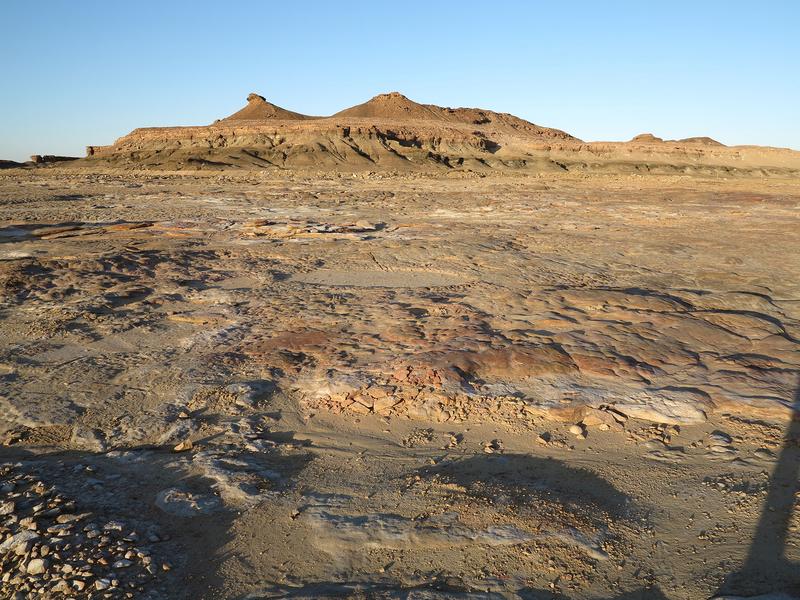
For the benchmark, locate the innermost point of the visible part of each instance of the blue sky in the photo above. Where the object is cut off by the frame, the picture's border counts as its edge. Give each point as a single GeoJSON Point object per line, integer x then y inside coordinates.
{"type": "Point", "coordinates": [87, 72]}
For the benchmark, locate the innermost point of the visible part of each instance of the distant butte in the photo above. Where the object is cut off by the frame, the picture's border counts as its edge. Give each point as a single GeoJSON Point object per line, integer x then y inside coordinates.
{"type": "Point", "coordinates": [258, 109]}
{"type": "Point", "coordinates": [395, 106]}
{"type": "Point", "coordinates": [649, 138]}
{"type": "Point", "coordinates": [392, 133]}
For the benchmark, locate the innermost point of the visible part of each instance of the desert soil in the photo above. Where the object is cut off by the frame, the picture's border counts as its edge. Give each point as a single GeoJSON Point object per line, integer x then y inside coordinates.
{"type": "Point", "coordinates": [244, 386]}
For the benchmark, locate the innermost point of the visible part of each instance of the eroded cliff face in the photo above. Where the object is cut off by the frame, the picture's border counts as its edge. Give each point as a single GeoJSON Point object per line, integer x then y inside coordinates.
{"type": "Point", "coordinates": [393, 133]}
{"type": "Point", "coordinates": [354, 144]}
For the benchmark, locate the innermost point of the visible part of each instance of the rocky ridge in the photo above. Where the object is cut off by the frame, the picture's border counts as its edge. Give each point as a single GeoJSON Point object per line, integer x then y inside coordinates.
{"type": "Point", "coordinates": [391, 133]}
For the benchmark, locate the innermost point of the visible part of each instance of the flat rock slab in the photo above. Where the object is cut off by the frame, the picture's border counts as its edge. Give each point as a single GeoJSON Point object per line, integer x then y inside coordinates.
{"type": "Point", "coordinates": [181, 503]}
{"type": "Point", "coordinates": [382, 279]}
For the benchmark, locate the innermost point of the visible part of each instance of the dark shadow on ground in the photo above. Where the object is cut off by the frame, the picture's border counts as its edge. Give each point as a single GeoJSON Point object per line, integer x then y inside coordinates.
{"type": "Point", "coordinates": [643, 594]}
{"type": "Point", "coordinates": [122, 488]}
{"type": "Point", "coordinates": [766, 568]}
{"type": "Point", "coordinates": [521, 475]}
{"type": "Point", "coordinates": [386, 591]}
{"type": "Point", "coordinates": [124, 485]}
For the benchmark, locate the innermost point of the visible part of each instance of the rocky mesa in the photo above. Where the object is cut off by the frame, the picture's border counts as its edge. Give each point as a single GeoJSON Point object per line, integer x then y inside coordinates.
{"type": "Point", "coordinates": [392, 133]}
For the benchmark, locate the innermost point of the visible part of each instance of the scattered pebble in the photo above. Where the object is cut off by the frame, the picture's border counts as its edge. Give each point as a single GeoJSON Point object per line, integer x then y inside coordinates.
{"type": "Point", "coordinates": [102, 584]}
{"type": "Point", "coordinates": [719, 437]}
{"type": "Point", "coordinates": [122, 564]}
{"type": "Point", "coordinates": [36, 567]}
{"type": "Point", "coordinates": [578, 431]}
{"type": "Point", "coordinates": [50, 549]}
{"type": "Point", "coordinates": [183, 446]}
{"type": "Point", "coordinates": [495, 446]}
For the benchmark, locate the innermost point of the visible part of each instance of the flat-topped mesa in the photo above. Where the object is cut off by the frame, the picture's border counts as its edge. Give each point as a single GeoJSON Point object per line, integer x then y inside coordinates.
{"type": "Point", "coordinates": [393, 133]}
{"type": "Point", "coordinates": [702, 140]}
{"type": "Point", "coordinates": [646, 138]}
{"type": "Point", "coordinates": [649, 138]}
{"type": "Point", "coordinates": [258, 109]}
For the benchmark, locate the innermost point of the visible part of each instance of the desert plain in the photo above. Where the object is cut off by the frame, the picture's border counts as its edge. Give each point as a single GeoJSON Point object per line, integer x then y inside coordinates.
{"type": "Point", "coordinates": [229, 375]}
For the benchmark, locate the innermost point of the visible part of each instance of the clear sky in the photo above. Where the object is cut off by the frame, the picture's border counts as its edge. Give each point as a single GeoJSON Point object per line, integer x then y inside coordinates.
{"type": "Point", "coordinates": [87, 72]}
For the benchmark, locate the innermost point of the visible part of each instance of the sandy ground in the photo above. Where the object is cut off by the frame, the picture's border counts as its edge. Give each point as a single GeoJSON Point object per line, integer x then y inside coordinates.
{"type": "Point", "coordinates": [232, 386]}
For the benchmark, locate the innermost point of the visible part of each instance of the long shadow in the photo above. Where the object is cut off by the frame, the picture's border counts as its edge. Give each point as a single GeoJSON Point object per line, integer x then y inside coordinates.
{"type": "Point", "coordinates": [767, 568]}
{"type": "Point", "coordinates": [123, 486]}
{"type": "Point", "coordinates": [334, 590]}
{"type": "Point", "coordinates": [643, 594]}
{"type": "Point", "coordinates": [116, 489]}
{"type": "Point", "coordinates": [523, 477]}
{"type": "Point", "coordinates": [520, 476]}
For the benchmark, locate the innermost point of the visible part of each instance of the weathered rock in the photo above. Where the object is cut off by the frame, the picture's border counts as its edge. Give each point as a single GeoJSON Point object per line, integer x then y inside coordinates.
{"type": "Point", "coordinates": [183, 446]}
{"type": "Point", "coordinates": [576, 430]}
{"type": "Point", "coordinates": [181, 503]}
{"type": "Point", "coordinates": [593, 418]}
{"type": "Point", "coordinates": [37, 566]}
{"type": "Point", "coordinates": [122, 564]}
{"type": "Point", "coordinates": [20, 538]}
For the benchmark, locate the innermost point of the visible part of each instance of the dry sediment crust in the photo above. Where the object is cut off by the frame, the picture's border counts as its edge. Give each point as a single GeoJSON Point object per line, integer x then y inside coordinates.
{"type": "Point", "coordinates": [570, 340]}
{"type": "Point", "coordinates": [236, 385]}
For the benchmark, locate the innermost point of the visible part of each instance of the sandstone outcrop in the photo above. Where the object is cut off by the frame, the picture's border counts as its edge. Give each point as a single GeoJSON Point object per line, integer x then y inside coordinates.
{"type": "Point", "coordinates": [391, 133]}
{"type": "Point", "coordinates": [258, 109]}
